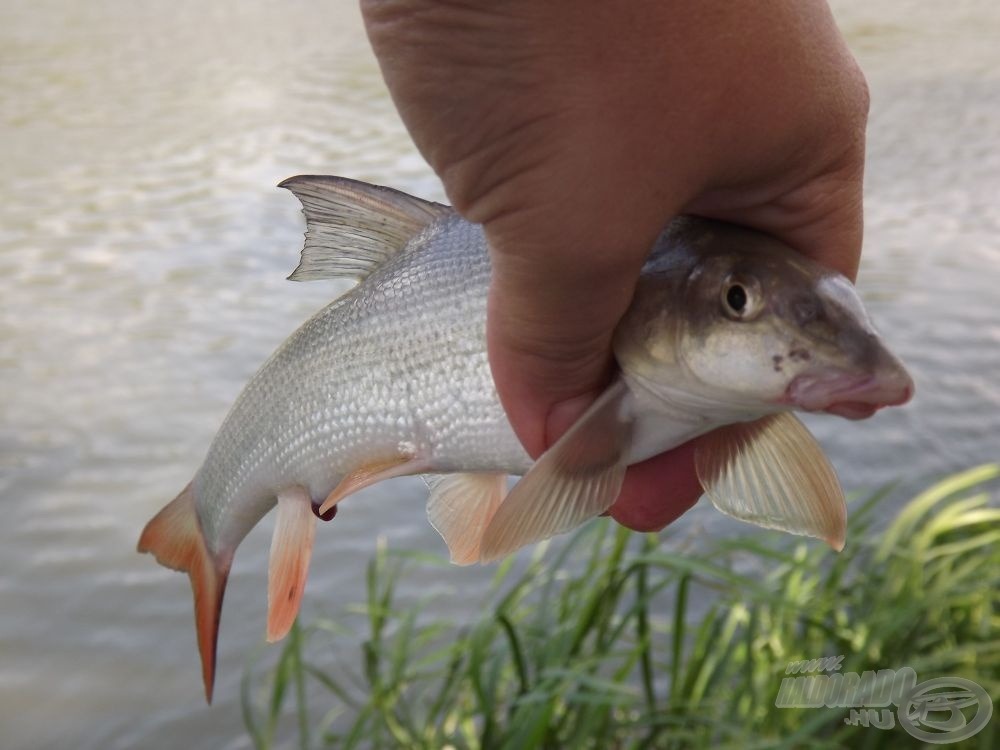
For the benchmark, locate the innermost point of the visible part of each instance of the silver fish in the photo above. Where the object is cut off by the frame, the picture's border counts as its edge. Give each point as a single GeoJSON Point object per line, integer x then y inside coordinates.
{"type": "Point", "coordinates": [728, 327]}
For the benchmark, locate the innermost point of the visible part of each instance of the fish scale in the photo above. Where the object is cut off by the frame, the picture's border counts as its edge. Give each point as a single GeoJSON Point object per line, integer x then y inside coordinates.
{"type": "Point", "coordinates": [393, 378]}
{"type": "Point", "coordinates": [399, 360]}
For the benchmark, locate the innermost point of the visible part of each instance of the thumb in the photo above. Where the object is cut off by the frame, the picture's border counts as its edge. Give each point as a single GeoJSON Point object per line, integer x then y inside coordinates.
{"type": "Point", "coordinates": [550, 322]}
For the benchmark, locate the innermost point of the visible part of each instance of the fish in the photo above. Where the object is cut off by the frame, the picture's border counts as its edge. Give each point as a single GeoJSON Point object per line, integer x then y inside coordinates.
{"type": "Point", "coordinates": [728, 334]}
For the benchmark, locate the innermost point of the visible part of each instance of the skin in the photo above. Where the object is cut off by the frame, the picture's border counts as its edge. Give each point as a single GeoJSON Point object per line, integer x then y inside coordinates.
{"type": "Point", "coordinates": [574, 130]}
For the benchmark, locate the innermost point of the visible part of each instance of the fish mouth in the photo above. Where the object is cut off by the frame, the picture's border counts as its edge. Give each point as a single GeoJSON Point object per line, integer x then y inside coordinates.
{"type": "Point", "coordinates": [850, 395]}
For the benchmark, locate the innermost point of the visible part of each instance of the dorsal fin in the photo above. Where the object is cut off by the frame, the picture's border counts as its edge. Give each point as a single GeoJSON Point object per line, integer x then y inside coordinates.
{"type": "Point", "coordinates": [353, 227]}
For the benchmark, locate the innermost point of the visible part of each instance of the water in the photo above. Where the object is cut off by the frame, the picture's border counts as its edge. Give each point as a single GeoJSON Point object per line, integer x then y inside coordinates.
{"type": "Point", "coordinates": [142, 257]}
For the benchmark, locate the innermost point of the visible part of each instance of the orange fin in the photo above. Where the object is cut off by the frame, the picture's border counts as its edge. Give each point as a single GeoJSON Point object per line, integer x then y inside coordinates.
{"type": "Point", "coordinates": [576, 479]}
{"type": "Point", "coordinates": [773, 473]}
{"type": "Point", "coordinates": [370, 473]}
{"type": "Point", "coordinates": [460, 507]}
{"type": "Point", "coordinates": [291, 549]}
{"type": "Point", "coordinates": [174, 536]}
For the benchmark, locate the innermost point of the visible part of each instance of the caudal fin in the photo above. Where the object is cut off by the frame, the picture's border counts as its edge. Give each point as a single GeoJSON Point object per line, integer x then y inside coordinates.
{"type": "Point", "coordinates": [174, 536]}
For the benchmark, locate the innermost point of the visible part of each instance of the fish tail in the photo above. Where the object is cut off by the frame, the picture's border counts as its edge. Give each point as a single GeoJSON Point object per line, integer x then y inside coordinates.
{"type": "Point", "coordinates": [175, 537]}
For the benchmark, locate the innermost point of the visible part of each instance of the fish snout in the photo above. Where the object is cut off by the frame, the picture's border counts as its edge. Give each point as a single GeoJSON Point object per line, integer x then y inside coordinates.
{"type": "Point", "coordinates": [854, 395]}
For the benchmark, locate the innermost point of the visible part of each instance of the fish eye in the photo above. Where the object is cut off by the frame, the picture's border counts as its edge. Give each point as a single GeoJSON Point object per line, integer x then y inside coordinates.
{"type": "Point", "coordinates": [740, 298]}
{"type": "Point", "coordinates": [736, 298]}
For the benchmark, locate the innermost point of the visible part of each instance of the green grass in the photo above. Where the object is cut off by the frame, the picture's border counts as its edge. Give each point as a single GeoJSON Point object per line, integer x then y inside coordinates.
{"type": "Point", "coordinates": [618, 640]}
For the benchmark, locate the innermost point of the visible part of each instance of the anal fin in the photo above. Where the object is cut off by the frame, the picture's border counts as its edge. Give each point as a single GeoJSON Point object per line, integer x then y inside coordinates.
{"type": "Point", "coordinates": [175, 537]}
{"type": "Point", "coordinates": [288, 566]}
{"type": "Point", "coordinates": [773, 473]}
{"type": "Point", "coordinates": [460, 507]}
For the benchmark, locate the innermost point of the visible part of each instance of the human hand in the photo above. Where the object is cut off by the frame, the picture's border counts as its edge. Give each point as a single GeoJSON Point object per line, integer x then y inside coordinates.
{"type": "Point", "coordinates": [574, 130]}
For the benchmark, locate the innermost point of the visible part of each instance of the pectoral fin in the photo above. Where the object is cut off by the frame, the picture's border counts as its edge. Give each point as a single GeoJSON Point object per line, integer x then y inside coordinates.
{"type": "Point", "coordinates": [576, 479]}
{"type": "Point", "coordinates": [773, 473]}
{"type": "Point", "coordinates": [460, 507]}
{"type": "Point", "coordinates": [291, 550]}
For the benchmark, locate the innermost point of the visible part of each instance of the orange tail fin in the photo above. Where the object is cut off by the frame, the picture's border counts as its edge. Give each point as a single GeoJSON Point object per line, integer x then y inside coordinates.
{"type": "Point", "coordinates": [174, 536]}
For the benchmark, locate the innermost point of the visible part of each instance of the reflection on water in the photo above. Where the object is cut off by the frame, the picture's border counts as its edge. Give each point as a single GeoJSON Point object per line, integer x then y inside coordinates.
{"type": "Point", "coordinates": [143, 251]}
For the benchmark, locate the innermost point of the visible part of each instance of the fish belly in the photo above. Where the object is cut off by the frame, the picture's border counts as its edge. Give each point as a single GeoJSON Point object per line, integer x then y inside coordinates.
{"type": "Point", "coordinates": [396, 367]}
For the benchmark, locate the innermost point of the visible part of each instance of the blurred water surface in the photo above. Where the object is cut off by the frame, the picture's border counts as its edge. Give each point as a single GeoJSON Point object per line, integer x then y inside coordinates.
{"type": "Point", "coordinates": [143, 251]}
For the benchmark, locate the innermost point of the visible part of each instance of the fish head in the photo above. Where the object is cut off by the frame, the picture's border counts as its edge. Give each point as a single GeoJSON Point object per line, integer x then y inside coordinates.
{"type": "Point", "coordinates": [739, 319]}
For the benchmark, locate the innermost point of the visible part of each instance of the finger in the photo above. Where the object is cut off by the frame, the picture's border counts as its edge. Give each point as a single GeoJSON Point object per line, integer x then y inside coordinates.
{"type": "Point", "coordinates": [658, 491]}
{"type": "Point", "coordinates": [821, 217]}
{"type": "Point", "coordinates": [824, 219]}
{"type": "Point", "coordinates": [813, 202]}
{"type": "Point", "coordinates": [549, 333]}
